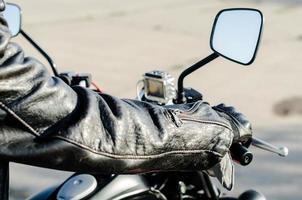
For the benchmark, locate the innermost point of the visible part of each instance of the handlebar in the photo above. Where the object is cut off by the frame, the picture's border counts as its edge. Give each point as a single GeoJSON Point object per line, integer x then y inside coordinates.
{"type": "Point", "coordinates": [281, 151]}
{"type": "Point", "coordinates": [244, 157]}
{"type": "Point", "coordinates": [241, 154]}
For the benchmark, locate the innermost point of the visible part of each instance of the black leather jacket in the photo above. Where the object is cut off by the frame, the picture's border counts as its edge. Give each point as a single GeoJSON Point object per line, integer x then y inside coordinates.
{"type": "Point", "coordinates": [50, 124]}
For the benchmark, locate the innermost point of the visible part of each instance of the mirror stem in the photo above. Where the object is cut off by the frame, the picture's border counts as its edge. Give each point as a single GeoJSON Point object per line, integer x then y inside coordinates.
{"type": "Point", "coordinates": [45, 55]}
{"type": "Point", "coordinates": [180, 93]}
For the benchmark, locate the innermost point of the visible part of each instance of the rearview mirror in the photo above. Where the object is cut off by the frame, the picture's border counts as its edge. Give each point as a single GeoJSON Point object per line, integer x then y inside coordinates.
{"type": "Point", "coordinates": [236, 34]}
{"type": "Point", "coordinates": [12, 14]}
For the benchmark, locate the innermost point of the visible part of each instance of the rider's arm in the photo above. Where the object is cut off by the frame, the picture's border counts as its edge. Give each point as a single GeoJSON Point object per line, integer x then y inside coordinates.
{"type": "Point", "coordinates": [80, 130]}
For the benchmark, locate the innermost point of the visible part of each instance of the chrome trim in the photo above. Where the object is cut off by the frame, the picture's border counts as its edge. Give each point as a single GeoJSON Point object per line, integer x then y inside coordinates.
{"type": "Point", "coordinates": [281, 151]}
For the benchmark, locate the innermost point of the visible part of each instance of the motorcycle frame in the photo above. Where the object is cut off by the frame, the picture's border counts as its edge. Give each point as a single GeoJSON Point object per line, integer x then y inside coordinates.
{"type": "Point", "coordinates": [210, 191]}
{"type": "Point", "coordinates": [4, 180]}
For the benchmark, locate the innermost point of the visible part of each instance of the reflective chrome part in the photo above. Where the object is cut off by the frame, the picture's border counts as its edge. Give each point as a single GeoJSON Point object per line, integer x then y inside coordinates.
{"type": "Point", "coordinates": [236, 34]}
{"type": "Point", "coordinates": [123, 186]}
{"type": "Point", "coordinates": [77, 187]}
{"type": "Point", "coordinates": [281, 151]}
{"type": "Point", "coordinates": [251, 195]}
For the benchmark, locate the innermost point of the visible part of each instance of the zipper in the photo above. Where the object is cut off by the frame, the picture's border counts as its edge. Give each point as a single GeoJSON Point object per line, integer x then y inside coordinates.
{"type": "Point", "coordinates": [183, 115]}
{"type": "Point", "coordinates": [206, 122]}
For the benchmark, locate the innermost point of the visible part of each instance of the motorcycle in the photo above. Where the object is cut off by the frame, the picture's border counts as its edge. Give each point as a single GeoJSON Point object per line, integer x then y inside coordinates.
{"type": "Point", "coordinates": [235, 36]}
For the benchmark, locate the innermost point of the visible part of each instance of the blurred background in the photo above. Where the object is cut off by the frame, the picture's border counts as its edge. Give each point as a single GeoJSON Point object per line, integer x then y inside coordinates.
{"type": "Point", "coordinates": [117, 41]}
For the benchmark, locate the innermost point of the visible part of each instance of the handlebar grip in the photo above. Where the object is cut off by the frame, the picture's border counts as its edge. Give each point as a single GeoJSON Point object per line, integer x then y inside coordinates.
{"type": "Point", "coordinates": [241, 154]}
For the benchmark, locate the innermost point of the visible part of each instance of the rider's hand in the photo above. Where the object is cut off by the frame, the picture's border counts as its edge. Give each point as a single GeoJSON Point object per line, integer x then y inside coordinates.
{"type": "Point", "coordinates": [242, 128]}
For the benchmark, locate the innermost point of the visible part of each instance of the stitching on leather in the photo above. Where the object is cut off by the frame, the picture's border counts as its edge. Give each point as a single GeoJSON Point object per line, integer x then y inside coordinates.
{"type": "Point", "coordinates": [182, 116]}
{"type": "Point", "coordinates": [19, 119]}
{"type": "Point", "coordinates": [207, 122]}
{"type": "Point", "coordinates": [117, 156]}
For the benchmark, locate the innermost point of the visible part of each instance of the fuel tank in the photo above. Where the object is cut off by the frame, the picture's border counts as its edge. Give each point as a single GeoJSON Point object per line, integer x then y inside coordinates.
{"type": "Point", "coordinates": [86, 186]}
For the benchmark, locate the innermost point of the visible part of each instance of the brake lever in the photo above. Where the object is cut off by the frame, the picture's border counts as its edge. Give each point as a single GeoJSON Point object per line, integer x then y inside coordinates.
{"type": "Point", "coordinates": [281, 151]}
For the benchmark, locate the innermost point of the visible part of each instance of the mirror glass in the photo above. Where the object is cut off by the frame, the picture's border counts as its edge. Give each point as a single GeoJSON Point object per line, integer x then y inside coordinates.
{"type": "Point", "coordinates": [236, 34]}
{"type": "Point", "coordinates": [12, 14]}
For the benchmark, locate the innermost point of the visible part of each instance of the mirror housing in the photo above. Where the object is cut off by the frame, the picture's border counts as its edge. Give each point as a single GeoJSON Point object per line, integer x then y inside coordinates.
{"type": "Point", "coordinates": [12, 15]}
{"type": "Point", "coordinates": [236, 34]}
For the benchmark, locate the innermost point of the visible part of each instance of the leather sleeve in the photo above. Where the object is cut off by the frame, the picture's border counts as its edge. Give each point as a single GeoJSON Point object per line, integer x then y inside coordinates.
{"type": "Point", "coordinates": [77, 129]}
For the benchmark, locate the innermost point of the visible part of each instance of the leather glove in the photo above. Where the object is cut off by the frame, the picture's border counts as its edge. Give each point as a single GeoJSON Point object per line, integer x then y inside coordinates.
{"type": "Point", "coordinates": [242, 128]}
